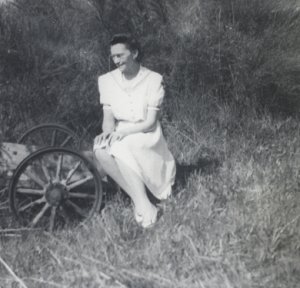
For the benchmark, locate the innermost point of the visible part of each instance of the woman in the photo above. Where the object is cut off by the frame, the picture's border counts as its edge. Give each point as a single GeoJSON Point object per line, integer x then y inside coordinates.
{"type": "Point", "coordinates": [131, 148]}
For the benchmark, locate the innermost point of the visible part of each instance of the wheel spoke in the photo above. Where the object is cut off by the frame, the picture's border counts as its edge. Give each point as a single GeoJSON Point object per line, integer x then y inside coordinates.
{"type": "Point", "coordinates": [80, 182]}
{"type": "Point", "coordinates": [35, 178]}
{"type": "Point", "coordinates": [46, 173]}
{"type": "Point", "coordinates": [36, 202]}
{"type": "Point", "coordinates": [80, 211]}
{"type": "Point", "coordinates": [52, 218]}
{"type": "Point", "coordinates": [2, 191]}
{"type": "Point", "coordinates": [81, 195]}
{"type": "Point", "coordinates": [3, 205]}
{"type": "Point", "coordinates": [53, 138]}
{"type": "Point", "coordinates": [30, 191]}
{"type": "Point", "coordinates": [41, 137]}
{"type": "Point", "coordinates": [59, 166]}
{"type": "Point", "coordinates": [38, 217]}
{"type": "Point", "coordinates": [71, 172]}
{"type": "Point", "coordinates": [64, 214]}
{"type": "Point", "coordinates": [66, 141]}
{"type": "Point", "coordinates": [45, 170]}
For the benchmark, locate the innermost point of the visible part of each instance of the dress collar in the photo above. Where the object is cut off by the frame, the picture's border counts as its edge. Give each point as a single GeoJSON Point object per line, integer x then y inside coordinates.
{"type": "Point", "coordinates": [119, 78]}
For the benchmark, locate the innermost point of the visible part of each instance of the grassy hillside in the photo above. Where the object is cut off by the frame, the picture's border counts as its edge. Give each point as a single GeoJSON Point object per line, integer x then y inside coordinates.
{"type": "Point", "coordinates": [230, 118]}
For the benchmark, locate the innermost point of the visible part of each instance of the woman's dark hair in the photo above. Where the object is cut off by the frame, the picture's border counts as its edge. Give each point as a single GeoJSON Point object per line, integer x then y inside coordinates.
{"type": "Point", "coordinates": [131, 43]}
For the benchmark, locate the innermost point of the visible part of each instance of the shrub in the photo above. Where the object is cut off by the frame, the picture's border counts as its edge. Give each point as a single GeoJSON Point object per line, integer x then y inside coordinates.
{"type": "Point", "coordinates": [240, 52]}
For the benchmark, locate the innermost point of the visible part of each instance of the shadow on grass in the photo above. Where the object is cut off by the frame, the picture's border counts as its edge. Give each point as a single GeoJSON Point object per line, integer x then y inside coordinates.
{"type": "Point", "coordinates": [184, 171]}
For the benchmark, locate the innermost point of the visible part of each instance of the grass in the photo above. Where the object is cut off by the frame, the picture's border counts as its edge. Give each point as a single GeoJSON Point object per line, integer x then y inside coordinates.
{"type": "Point", "coordinates": [231, 121]}
{"type": "Point", "coordinates": [233, 220]}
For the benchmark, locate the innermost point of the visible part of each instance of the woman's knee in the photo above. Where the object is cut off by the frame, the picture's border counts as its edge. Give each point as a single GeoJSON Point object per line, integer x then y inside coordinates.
{"type": "Point", "coordinates": [101, 161]}
{"type": "Point", "coordinates": [100, 154]}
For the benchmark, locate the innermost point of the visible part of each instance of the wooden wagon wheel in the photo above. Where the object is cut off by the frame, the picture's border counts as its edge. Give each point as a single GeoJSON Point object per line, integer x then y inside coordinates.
{"type": "Point", "coordinates": [44, 135]}
{"type": "Point", "coordinates": [54, 187]}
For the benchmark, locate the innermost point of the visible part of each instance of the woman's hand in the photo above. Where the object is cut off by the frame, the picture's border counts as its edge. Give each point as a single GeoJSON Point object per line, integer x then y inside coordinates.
{"type": "Point", "coordinates": [107, 138]}
{"type": "Point", "coordinates": [101, 138]}
{"type": "Point", "coordinates": [115, 136]}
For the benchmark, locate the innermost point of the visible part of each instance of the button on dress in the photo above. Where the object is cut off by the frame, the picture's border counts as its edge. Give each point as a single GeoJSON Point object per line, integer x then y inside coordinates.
{"type": "Point", "coordinates": [147, 154]}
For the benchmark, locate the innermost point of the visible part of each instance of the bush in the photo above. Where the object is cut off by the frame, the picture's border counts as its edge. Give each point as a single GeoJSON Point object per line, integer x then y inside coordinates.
{"type": "Point", "coordinates": [242, 52]}
{"type": "Point", "coordinates": [55, 59]}
{"type": "Point", "coordinates": [245, 51]}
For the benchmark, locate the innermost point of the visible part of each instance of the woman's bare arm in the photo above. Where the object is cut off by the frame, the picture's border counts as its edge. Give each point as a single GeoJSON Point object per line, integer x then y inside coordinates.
{"type": "Point", "coordinates": [109, 122]}
{"type": "Point", "coordinates": [144, 126]}
{"type": "Point", "coordinates": [108, 126]}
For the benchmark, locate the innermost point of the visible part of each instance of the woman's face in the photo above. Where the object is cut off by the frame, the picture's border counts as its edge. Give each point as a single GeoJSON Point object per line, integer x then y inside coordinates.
{"type": "Point", "coordinates": [123, 58]}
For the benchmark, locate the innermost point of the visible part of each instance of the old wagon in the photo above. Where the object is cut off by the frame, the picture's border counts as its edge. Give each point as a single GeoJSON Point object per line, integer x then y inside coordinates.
{"type": "Point", "coordinates": [47, 181]}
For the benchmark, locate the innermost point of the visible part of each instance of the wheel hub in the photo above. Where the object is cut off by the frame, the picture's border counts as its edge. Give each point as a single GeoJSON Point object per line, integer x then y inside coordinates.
{"type": "Point", "coordinates": [55, 193]}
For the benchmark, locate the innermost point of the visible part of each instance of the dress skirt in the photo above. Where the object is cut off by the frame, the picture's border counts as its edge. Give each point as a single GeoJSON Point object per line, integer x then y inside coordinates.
{"type": "Point", "coordinates": [147, 154]}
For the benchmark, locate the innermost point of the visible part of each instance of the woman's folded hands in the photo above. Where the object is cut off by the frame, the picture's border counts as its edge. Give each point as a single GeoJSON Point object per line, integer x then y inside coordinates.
{"type": "Point", "coordinates": [108, 138]}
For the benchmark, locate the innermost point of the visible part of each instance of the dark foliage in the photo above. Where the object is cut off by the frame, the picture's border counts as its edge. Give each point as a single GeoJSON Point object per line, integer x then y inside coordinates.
{"type": "Point", "coordinates": [243, 53]}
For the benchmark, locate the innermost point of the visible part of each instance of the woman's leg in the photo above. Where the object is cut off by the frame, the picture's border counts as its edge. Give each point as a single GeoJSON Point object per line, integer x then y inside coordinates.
{"type": "Point", "coordinates": [109, 165]}
{"type": "Point", "coordinates": [138, 190]}
{"type": "Point", "coordinates": [127, 179]}
{"type": "Point", "coordinates": [91, 156]}
{"type": "Point", "coordinates": [144, 212]}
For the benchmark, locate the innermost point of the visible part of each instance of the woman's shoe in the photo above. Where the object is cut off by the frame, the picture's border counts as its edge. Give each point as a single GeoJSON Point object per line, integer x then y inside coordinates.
{"type": "Point", "coordinates": [149, 220]}
{"type": "Point", "coordinates": [138, 216]}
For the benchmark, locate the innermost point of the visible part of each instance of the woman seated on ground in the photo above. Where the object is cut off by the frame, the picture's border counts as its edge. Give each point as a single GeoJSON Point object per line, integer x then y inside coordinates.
{"type": "Point", "coordinates": [132, 149]}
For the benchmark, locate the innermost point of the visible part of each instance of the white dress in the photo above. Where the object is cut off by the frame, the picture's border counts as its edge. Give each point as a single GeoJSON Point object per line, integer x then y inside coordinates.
{"type": "Point", "coordinates": [147, 154]}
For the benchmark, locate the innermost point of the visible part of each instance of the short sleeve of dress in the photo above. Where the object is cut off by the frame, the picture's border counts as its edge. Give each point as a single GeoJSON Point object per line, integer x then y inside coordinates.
{"type": "Point", "coordinates": [104, 92]}
{"type": "Point", "coordinates": [156, 92]}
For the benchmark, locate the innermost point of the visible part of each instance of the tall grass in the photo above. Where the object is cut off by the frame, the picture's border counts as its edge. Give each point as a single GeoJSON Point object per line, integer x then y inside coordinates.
{"type": "Point", "coordinates": [234, 219]}
{"type": "Point", "coordinates": [243, 53]}
{"type": "Point", "coordinates": [230, 118]}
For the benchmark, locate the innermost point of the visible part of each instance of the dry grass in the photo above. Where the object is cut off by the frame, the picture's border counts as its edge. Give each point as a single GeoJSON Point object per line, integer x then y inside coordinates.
{"type": "Point", "coordinates": [234, 218]}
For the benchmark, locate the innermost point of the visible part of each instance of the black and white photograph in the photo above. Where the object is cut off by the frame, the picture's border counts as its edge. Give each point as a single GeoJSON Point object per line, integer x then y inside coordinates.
{"type": "Point", "coordinates": [149, 144]}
